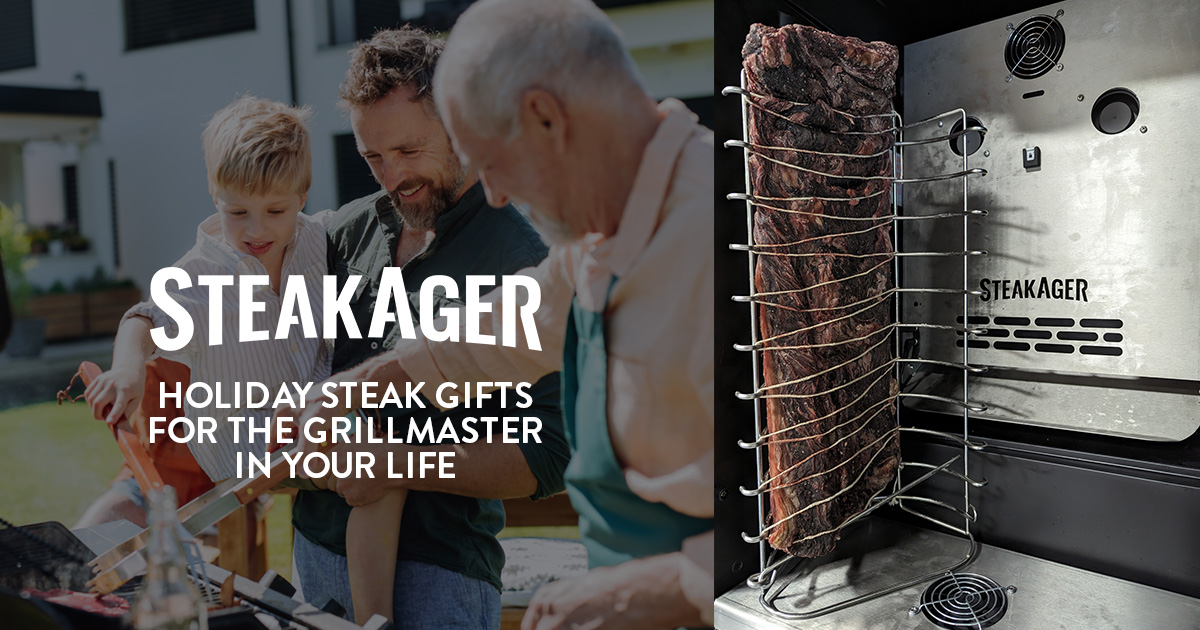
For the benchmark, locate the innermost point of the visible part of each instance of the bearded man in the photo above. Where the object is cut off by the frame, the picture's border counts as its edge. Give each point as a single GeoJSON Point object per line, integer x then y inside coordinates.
{"type": "Point", "coordinates": [431, 218]}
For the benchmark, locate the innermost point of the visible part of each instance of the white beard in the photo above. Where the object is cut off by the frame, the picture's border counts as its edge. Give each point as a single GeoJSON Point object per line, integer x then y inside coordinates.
{"type": "Point", "coordinates": [552, 232]}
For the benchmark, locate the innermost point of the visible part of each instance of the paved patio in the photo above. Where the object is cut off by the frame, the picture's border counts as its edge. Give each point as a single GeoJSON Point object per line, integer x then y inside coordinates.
{"type": "Point", "coordinates": [33, 380]}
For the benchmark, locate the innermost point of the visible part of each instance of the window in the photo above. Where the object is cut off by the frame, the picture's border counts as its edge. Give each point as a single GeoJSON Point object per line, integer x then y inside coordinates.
{"type": "Point", "coordinates": [112, 202]}
{"type": "Point", "coordinates": [341, 21]}
{"type": "Point", "coordinates": [354, 177]}
{"type": "Point", "coordinates": [16, 34]}
{"type": "Point", "coordinates": [157, 22]}
{"type": "Point", "coordinates": [354, 20]}
{"type": "Point", "coordinates": [436, 15]}
{"type": "Point", "coordinates": [612, 4]}
{"type": "Point", "coordinates": [70, 181]}
{"type": "Point", "coordinates": [440, 15]}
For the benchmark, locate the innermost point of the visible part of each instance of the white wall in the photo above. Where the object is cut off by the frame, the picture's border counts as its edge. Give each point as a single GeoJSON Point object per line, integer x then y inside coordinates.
{"type": "Point", "coordinates": [44, 202]}
{"type": "Point", "coordinates": [319, 72]}
{"type": "Point", "coordinates": [156, 100]}
{"type": "Point", "coordinates": [672, 43]}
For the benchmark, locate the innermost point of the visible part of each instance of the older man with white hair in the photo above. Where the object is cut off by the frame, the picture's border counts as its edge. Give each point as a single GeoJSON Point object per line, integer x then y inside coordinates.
{"type": "Point", "coordinates": [543, 101]}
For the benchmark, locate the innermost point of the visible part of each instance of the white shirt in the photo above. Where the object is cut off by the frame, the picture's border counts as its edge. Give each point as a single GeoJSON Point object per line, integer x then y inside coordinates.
{"type": "Point", "coordinates": [231, 364]}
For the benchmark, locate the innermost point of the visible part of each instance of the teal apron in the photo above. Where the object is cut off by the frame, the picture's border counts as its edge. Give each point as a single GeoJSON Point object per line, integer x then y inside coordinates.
{"type": "Point", "coordinates": [615, 524]}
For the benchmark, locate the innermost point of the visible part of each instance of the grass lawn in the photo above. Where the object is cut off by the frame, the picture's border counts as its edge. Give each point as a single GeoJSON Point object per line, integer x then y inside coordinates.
{"type": "Point", "coordinates": [57, 460]}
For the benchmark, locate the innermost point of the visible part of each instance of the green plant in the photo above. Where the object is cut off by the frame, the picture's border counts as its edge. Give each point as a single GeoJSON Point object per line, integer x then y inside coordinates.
{"type": "Point", "coordinates": [14, 252]}
{"type": "Point", "coordinates": [41, 237]}
{"type": "Point", "coordinates": [100, 281]}
{"type": "Point", "coordinates": [77, 242]}
{"type": "Point", "coordinates": [39, 240]}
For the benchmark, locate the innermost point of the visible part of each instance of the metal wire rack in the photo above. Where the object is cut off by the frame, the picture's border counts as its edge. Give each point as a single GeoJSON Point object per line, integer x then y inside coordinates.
{"type": "Point", "coordinates": [772, 576]}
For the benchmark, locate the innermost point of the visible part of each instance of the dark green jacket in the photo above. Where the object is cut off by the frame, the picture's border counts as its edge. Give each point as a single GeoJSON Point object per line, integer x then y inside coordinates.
{"type": "Point", "coordinates": [454, 532]}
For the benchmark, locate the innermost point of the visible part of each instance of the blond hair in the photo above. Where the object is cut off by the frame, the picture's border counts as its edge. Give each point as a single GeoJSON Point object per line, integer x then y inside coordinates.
{"type": "Point", "coordinates": [254, 146]}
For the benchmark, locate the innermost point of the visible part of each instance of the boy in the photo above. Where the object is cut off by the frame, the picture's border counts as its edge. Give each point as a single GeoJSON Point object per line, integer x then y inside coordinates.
{"type": "Point", "coordinates": [259, 170]}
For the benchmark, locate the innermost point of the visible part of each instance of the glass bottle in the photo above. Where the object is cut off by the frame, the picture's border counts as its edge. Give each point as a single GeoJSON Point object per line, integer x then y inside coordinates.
{"type": "Point", "coordinates": [168, 600]}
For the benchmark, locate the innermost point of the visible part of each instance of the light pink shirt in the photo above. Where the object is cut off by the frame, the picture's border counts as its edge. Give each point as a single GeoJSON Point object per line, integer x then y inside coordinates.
{"type": "Point", "coordinates": [659, 326]}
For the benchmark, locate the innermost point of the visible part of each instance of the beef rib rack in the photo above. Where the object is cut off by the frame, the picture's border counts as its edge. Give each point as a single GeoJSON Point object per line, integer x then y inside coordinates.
{"type": "Point", "coordinates": [820, 159]}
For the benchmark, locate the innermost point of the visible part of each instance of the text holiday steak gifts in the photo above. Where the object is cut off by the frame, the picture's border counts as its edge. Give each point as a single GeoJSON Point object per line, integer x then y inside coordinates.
{"type": "Point", "coordinates": [352, 429]}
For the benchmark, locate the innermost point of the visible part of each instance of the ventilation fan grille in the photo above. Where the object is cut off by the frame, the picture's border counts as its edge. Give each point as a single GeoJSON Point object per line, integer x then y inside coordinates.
{"type": "Point", "coordinates": [964, 601]}
{"type": "Point", "coordinates": [1034, 47]}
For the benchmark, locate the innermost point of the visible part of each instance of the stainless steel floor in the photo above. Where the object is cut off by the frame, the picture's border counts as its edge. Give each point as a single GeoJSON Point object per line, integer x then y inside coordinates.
{"type": "Point", "coordinates": [1049, 596]}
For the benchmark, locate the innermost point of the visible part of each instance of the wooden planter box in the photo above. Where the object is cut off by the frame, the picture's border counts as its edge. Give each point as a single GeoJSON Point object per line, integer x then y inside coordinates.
{"type": "Point", "coordinates": [63, 313]}
{"type": "Point", "coordinates": [72, 315]}
{"type": "Point", "coordinates": [105, 308]}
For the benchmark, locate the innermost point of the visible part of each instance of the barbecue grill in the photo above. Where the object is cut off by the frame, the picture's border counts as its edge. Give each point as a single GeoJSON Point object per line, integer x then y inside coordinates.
{"type": "Point", "coordinates": [46, 556]}
{"type": "Point", "coordinates": [107, 559]}
{"type": "Point", "coordinates": [1060, 487]}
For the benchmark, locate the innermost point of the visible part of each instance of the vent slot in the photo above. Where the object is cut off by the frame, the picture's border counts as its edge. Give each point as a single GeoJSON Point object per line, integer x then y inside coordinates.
{"type": "Point", "coordinates": [973, 319]}
{"type": "Point", "coordinates": [976, 343]}
{"type": "Point", "coordinates": [1034, 47]}
{"type": "Point", "coordinates": [1101, 323]}
{"type": "Point", "coordinates": [1110, 351]}
{"type": "Point", "coordinates": [1050, 335]}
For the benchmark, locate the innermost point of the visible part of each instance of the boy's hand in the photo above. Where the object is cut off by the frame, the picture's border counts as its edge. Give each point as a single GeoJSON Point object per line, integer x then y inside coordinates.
{"type": "Point", "coordinates": [122, 388]}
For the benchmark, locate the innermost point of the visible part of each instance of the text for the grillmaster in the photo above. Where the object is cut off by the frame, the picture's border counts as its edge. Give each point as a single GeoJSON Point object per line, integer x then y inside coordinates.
{"type": "Point", "coordinates": [373, 428]}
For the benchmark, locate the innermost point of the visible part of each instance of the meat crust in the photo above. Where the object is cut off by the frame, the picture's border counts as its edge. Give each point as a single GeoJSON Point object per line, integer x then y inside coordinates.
{"type": "Point", "coordinates": [830, 408]}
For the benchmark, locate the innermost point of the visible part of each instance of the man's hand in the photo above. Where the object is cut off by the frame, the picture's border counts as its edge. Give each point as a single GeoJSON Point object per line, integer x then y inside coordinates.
{"type": "Point", "coordinates": [317, 405]}
{"type": "Point", "coordinates": [122, 388]}
{"type": "Point", "coordinates": [688, 490]}
{"type": "Point", "coordinates": [641, 594]}
{"type": "Point", "coordinates": [382, 369]}
{"type": "Point", "coordinates": [289, 427]}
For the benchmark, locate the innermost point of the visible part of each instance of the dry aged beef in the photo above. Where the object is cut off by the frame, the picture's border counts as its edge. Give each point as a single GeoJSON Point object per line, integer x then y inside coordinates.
{"type": "Point", "coordinates": [105, 605]}
{"type": "Point", "coordinates": [829, 403]}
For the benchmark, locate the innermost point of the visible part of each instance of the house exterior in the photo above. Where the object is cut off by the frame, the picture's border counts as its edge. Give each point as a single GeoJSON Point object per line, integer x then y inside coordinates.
{"type": "Point", "coordinates": [102, 104]}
